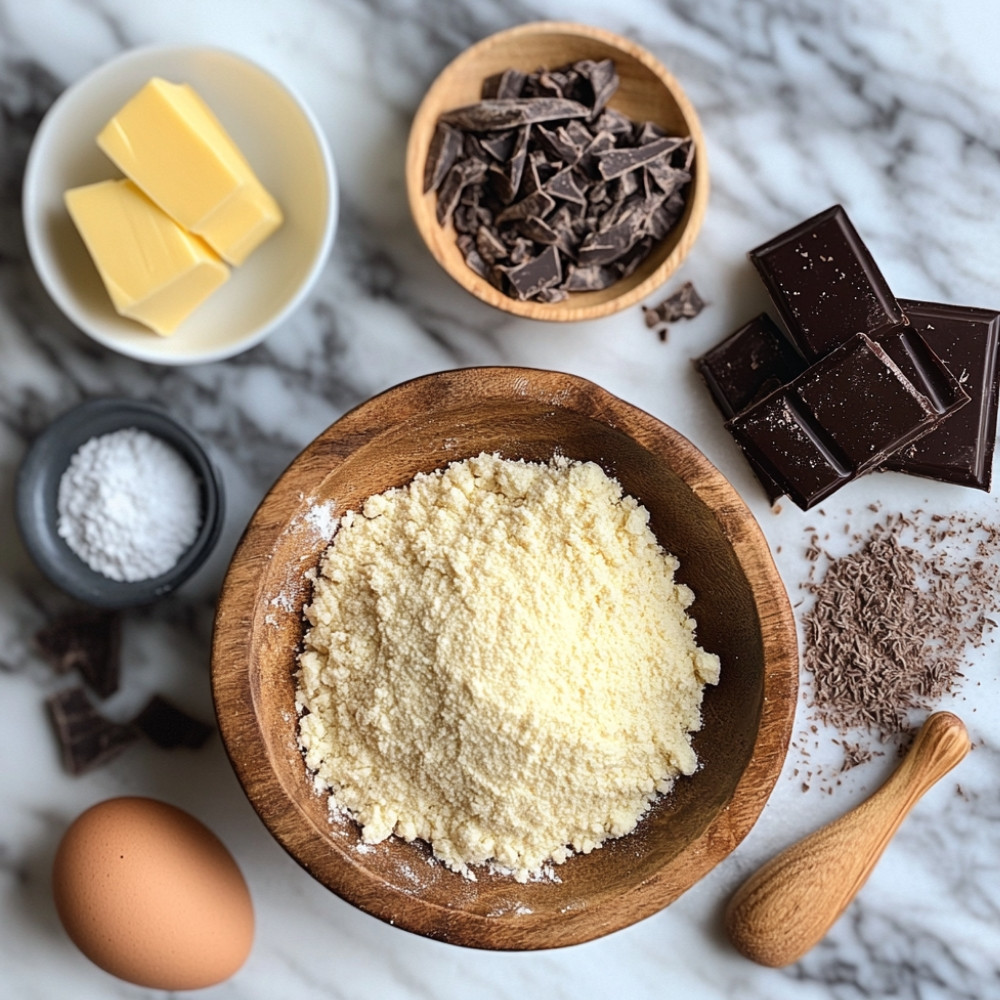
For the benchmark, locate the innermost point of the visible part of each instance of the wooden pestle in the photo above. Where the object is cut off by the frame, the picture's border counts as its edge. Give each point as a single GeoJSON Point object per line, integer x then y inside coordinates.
{"type": "Point", "coordinates": [790, 903]}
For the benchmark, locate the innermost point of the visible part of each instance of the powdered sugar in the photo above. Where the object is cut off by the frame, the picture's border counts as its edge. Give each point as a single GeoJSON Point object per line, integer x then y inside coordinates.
{"type": "Point", "coordinates": [129, 505]}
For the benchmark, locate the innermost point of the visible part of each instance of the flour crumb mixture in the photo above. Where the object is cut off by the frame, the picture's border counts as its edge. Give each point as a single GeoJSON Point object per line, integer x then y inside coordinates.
{"type": "Point", "coordinates": [499, 662]}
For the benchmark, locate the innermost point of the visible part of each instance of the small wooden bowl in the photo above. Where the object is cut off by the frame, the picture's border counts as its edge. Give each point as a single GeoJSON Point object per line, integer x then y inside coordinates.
{"type": "Point", "coordinates": [741, 608]}
{"type": "Point", "coordinates": [647, 93]}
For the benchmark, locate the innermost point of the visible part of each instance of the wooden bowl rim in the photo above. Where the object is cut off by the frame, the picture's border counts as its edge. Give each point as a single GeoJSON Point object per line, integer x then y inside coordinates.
{"type": "Point", "coordinates": [421, 204]}
{"type": "Point", "coordinates": [246, 745]}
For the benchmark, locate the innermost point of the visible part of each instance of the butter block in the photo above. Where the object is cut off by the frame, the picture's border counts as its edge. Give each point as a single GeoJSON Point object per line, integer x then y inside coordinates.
{"type": "Point", "coordinates": [154, 271]}
{"type": "Point", "coordinates": [167, 140]}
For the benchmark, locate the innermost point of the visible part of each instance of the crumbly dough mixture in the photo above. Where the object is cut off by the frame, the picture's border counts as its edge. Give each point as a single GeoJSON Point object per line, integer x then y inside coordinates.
{"type": "Point", "coordinates": [499, 662]}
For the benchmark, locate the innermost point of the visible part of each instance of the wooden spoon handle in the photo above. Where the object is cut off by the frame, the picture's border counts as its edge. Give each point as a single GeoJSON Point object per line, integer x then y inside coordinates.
{"type": "Point", "coordinates": [787, 906]}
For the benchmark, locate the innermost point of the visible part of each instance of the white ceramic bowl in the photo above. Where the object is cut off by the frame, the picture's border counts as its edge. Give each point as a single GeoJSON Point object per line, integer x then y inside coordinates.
{"type": "Point", "coordinates": [280, 138]}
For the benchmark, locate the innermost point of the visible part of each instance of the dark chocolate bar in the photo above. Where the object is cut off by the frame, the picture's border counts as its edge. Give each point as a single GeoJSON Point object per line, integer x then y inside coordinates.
{"type": "Point", "coordinates": [88, 642]}
{"type": "Point", "coordinates": [960, 450]}
{"type": "Point", "coordinates": [838, 419]}
{"type": "Point", "coordinates": [754, 360]}
{"type": "Point", "coordinates": [169, 726]}
{"type": "Point", "coordinates": [825, 284]}
{"type": "Point", "coordinates": [86, 738]}
{"type": "Point", "coordinates": [751, 362]}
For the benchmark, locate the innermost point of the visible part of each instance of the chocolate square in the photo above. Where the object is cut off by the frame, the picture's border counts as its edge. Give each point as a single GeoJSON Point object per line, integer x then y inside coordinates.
{"type": "Point", "coordinates": [840, 418]}
{"type": "Point", "coordinates": [960, 450]}
{"type": "Point", "coordinates": [825, 284]}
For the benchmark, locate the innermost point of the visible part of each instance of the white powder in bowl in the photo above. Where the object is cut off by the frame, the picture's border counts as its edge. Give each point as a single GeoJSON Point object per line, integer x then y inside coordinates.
{"type": "Point", "coordinates": [129, 505]}
{"type": "Point", "coordinates": [499, 662]}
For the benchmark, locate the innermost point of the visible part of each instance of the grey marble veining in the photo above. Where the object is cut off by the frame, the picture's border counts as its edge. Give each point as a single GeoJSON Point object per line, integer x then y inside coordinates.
{"type": "Point", "coordinates": [893, 110]}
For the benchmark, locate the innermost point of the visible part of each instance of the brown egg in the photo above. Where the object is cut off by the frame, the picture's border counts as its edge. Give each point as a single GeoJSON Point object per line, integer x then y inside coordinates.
{"type": "Point", "coordinates": [151, 895]}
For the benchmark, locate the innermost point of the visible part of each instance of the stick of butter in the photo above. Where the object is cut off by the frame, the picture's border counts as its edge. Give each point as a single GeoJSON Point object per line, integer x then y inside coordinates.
{"type": "Point", "coordinates": [168, 141]}
{"type": "Point", "coordinates": [154, 271]}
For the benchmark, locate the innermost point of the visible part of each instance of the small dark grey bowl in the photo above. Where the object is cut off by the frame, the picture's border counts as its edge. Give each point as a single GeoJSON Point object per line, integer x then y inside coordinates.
{"type": "Point", "coordinates": [37, 492]}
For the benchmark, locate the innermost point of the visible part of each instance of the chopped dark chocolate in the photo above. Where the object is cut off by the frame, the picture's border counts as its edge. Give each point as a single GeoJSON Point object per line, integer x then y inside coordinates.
{"type": "Point", "coordinates": [88, 642]}
{"type": "Point", "coordinates": [593, 278]}
{"type": "Point", "coordinates": [615, 162]}
{"type": "Point", "coordinates": [545, 164]}
{"type": "Point", "coordinates": [169, 726]}
{"type": "Point", "coordinates": [685, 303]}
{"type": "Point", "coordinates": [505, 85]}
{"type": "Point", "coordinates": [960, 450]}
{"type": "Point", "coordinates": [446, 146]}
{"type": "Point", "coordinates": [603, 80]}
{"type": "Point", "coordinates": [535, 274]}
{"type": "Point", "coordinates": [840, 418]}
{"type": "Point", "coordinates": [86, 738]}
{"type": "Point", "coordinates": [825, 284]}
{"type": "Point", "coordinates": [502, 113]}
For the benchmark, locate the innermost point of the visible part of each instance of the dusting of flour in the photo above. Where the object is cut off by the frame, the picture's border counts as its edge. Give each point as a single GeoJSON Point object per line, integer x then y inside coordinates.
{"type": "Point", "coordinates": [498, 661]}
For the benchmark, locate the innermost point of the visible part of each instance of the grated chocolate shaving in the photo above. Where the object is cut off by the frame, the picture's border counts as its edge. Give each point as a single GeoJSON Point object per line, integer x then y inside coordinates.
{"type": "Point", "coordinates": [892, 622]}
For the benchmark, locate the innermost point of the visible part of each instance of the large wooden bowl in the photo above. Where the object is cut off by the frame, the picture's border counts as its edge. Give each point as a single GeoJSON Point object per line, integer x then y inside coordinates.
{"type": "Point", "coordinates": [741, 608]}
{"type": "Point", "coordinates": [648, 92]}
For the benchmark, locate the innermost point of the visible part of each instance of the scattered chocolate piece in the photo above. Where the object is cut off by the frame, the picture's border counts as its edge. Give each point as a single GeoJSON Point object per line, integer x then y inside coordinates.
{"type": "Point", "coordinates": [86, 738]}
{"type": "Point", "coordinates": [960, 451]}
{"type": "Point", "coordinates": [88, 642]}
{"type": "Point", "coordinates": [542, 159]}
{"type": "Point", "coordinates": [840, 418]}
{"type": "Point", "coordinates": [169, 726]}
{"type": "Point", "coordinates": [685, 303]}
{"type": "Point", "coordinates": [825, 284]}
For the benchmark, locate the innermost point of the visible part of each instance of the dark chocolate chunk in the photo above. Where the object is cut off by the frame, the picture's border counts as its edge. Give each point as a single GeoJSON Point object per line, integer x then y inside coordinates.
{"type": "Point", "coordinates": [504, 86]}
{"type": "Point", "coordinates": [446, 145]}
{"type": "Point", "coordinates": [489, 246]}
{"type": "Point", "coordinates": [564, 185]}
{"type": "Point", "coordinates": [611, 244]}
{"type": "Point", "coordinates": [499, 145]}
{"type": "Point", "coordinates": [840, 418]}
{"type": "Point", "coordinates": [824, 283]}
{"type": "Point", "coordinates": [666, 177]}
{"type": "Point", "coordinates": [86, 738]}
{"type": "Point", "coordinates": [590, 279]}
{"type": "Point", "coordinates": [685, 303]}
{"type": "Point", "coordinates": [603, 80]}
{"type": "Point", "coordinates": [507, 177]}
{"type": "Point", "coordinates": [463, 173]}
{"type": "Point", "coordinates": [960, 450]}
{"type": "Point", "coordinates": [169, 726]}
{"type": "Point", "coordinates": [616, 162]}
{"type": "Point", "coordinates": [535, 274]}
{"type": "Point", "coordinates": [503, 113]}
{"type": "Point", "coordinates": [88, 642]}
{"type": "Point", "coordinates": [538, 203]}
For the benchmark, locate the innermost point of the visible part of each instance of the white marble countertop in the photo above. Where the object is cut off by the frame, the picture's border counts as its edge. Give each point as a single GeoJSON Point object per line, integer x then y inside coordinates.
{"type": "Point", "coordinates": [890, 109]}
